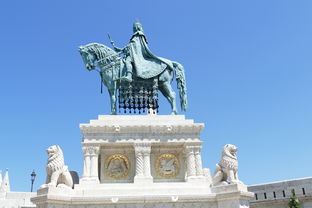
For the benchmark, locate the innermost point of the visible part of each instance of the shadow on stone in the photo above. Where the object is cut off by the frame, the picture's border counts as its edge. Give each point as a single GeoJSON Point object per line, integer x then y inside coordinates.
{"type": "Point", "coordinates": [75, 177]}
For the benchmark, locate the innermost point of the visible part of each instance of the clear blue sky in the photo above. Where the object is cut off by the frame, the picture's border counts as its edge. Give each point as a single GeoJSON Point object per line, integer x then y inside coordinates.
{"type": "Point", "coordinates": [248, 68]}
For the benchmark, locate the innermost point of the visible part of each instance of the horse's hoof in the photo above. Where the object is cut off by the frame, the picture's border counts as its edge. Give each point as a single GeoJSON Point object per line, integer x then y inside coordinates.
{"type": "Point", "coordinates": [113, 113]}
{"type": "Point", "coordinates": [174, 113]}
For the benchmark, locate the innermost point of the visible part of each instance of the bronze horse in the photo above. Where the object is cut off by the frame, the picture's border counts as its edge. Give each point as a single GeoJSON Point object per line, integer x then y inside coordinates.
{"type": "Point", "coordinates": [111, 64]}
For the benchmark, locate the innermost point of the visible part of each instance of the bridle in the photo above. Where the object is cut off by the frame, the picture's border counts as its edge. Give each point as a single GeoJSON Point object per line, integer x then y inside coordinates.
{"type": "Point", "coordinates": [106, 66]}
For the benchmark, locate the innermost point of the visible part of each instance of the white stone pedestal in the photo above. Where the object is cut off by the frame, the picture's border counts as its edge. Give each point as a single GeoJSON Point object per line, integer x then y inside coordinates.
{"type": "Point", "coordinates": [146, 160]}
{"type": "Point", "coordinates": [144, 143]}
{"type": "Point", "coordinates": [232, 195]}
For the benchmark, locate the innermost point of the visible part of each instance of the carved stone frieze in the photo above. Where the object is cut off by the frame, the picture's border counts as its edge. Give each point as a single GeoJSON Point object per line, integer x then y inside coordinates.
{"type": "Point", "coordinates": [134, 137]}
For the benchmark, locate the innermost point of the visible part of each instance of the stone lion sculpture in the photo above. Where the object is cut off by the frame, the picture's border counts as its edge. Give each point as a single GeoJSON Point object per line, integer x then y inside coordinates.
{"type": "Point", "coordinates": [226, 170]}
{"type": "Point", "coordinates": [57, 171]}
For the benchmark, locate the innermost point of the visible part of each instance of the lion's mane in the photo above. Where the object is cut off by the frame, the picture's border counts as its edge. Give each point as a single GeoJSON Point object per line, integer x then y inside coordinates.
{"type": "Point", "coordinates": [55, 160]}
{"type": "Point", "coordinates": [229, 159]}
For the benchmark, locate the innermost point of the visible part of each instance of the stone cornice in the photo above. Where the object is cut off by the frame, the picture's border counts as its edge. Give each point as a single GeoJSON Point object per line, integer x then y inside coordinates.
{"type": "Point", "coordinates": [143, 128]}
{"type": "Point", "coordinates": [155, 124]}
{"type": "Point", "coordinates": [131, 139]}
{"type": "Point", "coordinates": [156, 128]}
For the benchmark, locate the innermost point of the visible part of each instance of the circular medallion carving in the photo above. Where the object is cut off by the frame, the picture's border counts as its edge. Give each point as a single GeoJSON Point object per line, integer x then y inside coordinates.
{"type": "Point", "coordinates": [117, 166]}
{"type": "Point", "coordinates": [167, 166]}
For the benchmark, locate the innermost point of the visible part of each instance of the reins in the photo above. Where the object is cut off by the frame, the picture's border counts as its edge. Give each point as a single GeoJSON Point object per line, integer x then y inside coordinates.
{"type": "Point", "coordinates": [99, 61]}
{"type": "Point", "coordinates": [106, 63]}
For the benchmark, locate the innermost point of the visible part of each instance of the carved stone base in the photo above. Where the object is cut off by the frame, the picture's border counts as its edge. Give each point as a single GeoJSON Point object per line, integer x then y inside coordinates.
{"type": "Point", "coordinates": [143, 161]}
{"type": "Point", "coordinates": [196, 179]}
{"type": "Point", "coordinates": [230, 188]}
{"type": "Point", "coordinates": [186, 195]}
{"type": "Point", "coordinates": [135, 205]}
{"type": "Point", "coordinates": [89, 181]}
{"type": "Point", "coordinates": [232, 196]}
{"type": "Point", "coordinates": [56, 193]}
{"type": "Point", "coordinates": [142, 179]}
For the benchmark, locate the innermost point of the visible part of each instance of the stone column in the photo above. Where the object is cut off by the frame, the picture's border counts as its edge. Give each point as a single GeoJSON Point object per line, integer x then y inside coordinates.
{"type": "Point", "coordinates": [86, 162]}
{"type": "Point", "coordinates": [90, 164]}
{"type": "Point", "coordinates": [143, 166]}
{"type": "Point", "coordinates": [194, 162]}
{"type": "Point", "coordinates": [147, 161]}
{"type": "Point", "coordinates": [198, 161]}
{"type": "Point", "coordinates": [94, 162]}
{"type": "Point", "coordinates": [190, 161]}
{"type": "Point", "coordinates": [139, 164]}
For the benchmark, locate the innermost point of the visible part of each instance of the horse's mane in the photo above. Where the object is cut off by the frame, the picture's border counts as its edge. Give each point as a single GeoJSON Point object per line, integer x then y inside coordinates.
{"type": "Point", "coordinates": [100, 50]}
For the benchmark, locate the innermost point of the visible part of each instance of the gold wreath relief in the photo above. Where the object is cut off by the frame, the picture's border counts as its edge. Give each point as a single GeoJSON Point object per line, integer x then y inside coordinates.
{"type": "Point", "coordinates": [117, 166]}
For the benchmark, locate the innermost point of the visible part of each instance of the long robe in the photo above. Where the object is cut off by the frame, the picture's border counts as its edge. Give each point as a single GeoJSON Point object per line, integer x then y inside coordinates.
{"type": "Point", "coordinates": [146, 64]}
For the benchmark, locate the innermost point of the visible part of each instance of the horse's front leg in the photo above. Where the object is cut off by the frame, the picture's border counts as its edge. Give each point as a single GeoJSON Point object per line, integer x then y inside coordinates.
{"type": "Point", "coordinates": [112, 94]}
{"type": "Point", "coordinates": [113, 98]}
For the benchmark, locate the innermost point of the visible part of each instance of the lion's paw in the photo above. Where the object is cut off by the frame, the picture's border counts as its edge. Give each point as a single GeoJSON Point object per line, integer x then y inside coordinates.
{"type": "Point", "coordinates": [47, 185]}
{"type": "Point", "coordinates": [43, 186]}
{"type": "Point", "coordinates": [63, 186]}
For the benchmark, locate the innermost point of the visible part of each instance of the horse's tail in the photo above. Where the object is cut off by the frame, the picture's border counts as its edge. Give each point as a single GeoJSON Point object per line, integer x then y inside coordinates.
{"type": "Point", "coordinates": [180, 77]}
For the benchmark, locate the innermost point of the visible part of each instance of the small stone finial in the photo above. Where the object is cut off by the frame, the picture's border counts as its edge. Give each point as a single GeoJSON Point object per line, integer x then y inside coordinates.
{"type": "Point", "coordinates": [117, 128]}
{"type": "Point", "coordinates": [5, 186]}
{"type": "Point", "coordinates": [174, 198]}
{"type": "Point", "coordinates": [114, 199]}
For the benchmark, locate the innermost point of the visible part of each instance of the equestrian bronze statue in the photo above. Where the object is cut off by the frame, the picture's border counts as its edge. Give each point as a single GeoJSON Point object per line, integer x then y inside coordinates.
{"type": "Point", "coordinates": [133, 74]}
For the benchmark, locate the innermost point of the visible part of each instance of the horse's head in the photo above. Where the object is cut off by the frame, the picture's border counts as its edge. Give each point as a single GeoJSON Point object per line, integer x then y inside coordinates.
{"type": "Point", "coordinates": [95, 53]}
{"type": "Point", "coordinates": [88, 57]}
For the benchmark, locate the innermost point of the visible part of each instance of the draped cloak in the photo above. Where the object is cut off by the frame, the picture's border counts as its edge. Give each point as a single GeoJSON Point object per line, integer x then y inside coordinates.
{"type": "Point", "coordinates": [146, 64]}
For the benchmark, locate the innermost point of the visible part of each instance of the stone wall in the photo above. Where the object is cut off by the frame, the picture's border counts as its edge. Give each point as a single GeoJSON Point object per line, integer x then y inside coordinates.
{"type": "Point", "coordinates": [277, 194]}
{"type": "Point", "coordinates": [17, 199]}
